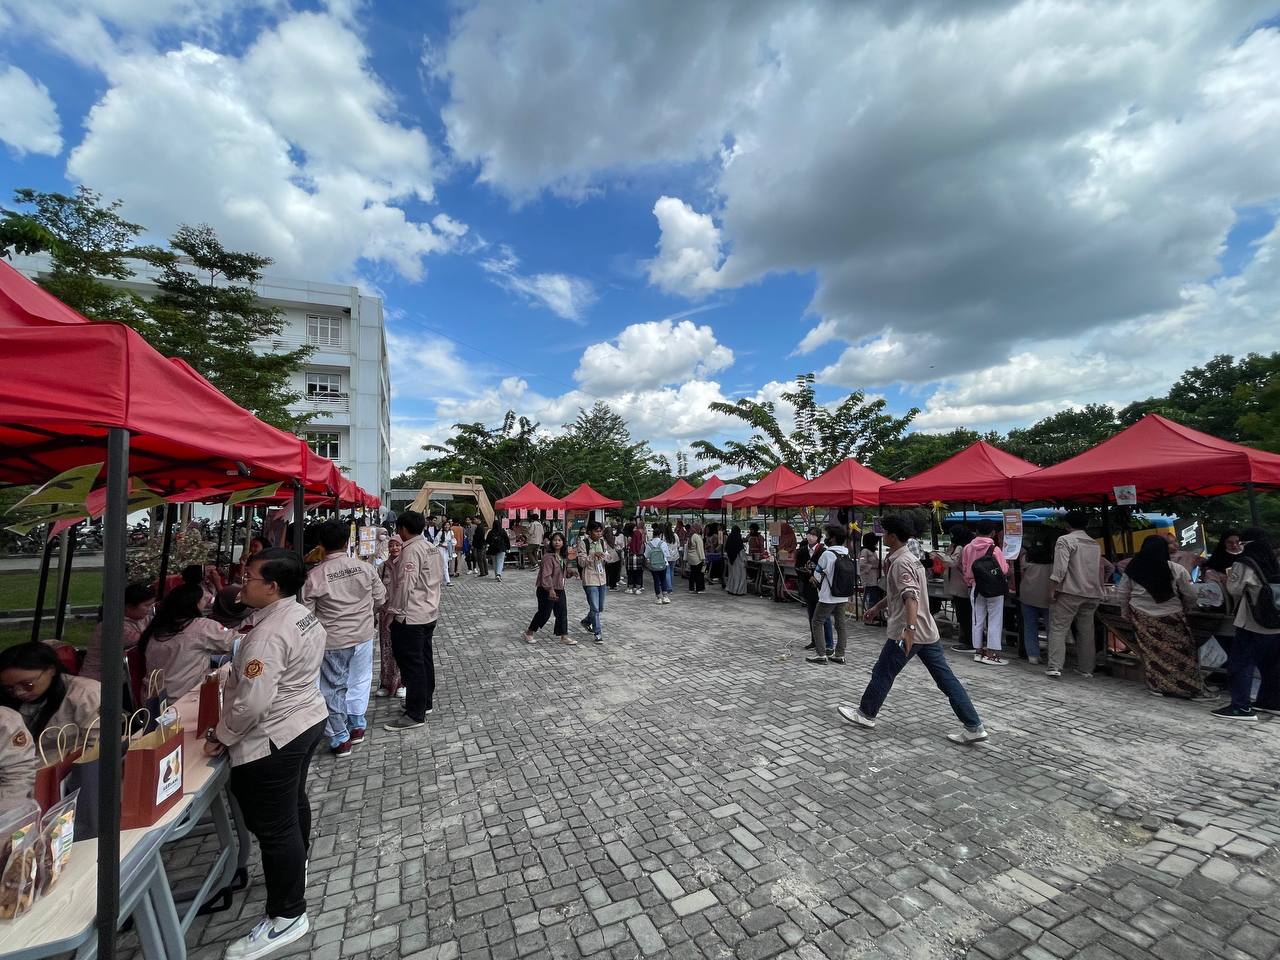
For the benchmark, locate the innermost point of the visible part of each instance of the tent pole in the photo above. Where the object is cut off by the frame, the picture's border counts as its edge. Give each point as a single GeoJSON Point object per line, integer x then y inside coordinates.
{"type": "Point", "coordinates": [299, 519]}
{"type": "Point", "coordinates": [1108, 550]}
{"type": "Point", "coordinates": [222, 526]}
{"type": "Point", "coordinates": [170, 510]}
{"type": "Point", "coordinates": [64, 579]}
{"type": "Point", "coordinates": [45, 558]}
{"type": "Point", "coordinates": [1254, 517]}
{"type": "Point", "coordinates": [113, 583]}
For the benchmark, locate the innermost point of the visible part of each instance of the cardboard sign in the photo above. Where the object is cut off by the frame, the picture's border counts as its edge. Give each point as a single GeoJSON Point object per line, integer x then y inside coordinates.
{"type": "Point", "coordinates": [1126, 496]}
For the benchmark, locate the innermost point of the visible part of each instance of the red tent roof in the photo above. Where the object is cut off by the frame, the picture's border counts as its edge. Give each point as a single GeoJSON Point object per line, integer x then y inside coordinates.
{"type": "Point", "coordinates": [680, 488]}
{"type": "Point", "coordinates": [530, 497]}
{"type": "Point", "coordinates": [71, 387]}
{"type": "Point", "coordinates": [700, 499]}
{"type": "Point", "coordinates": [764, 493]}
{"type": "Point", "coordinates": [980, 473]}
{"type": "Point", "coordinates": [847, 484]}
{"type": "Point", "coordinates": [584, 498]}
{"type": "Point", "coordinates": [1159, 457]}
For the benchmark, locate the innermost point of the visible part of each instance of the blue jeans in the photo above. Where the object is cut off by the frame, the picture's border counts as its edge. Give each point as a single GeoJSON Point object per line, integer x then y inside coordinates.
{"type": "Point", "coordinates": [1251, 650]}
{"type": "Point", "coordinates": [1033, 618]}
{"type": "Point", "coordinates": [595, 601]}
{"type": "Point", "coordinates": [671, 577]}
{"type": "Point", "coordinates": [345, 676]}
{"type": "Point", "coordinates": [890, 664]}
{"type": "Point", "coordinates": [659, 581]}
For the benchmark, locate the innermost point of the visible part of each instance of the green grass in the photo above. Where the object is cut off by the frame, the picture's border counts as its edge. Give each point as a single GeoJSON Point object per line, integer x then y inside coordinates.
{"type": "Point", "coordinates": [18, 589]}
{"type": "Point", "coordinates": [76, 631]}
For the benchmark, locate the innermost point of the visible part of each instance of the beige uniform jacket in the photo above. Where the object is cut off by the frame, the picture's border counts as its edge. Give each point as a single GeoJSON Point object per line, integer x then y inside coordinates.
{"type": "Point", "coordinates": [343, 592]}
{"type": "Point", "coordinates": [592, 557]}
{"type": "Point", "coordinates": [17, 757]}
{"type": "Point", "coordinates": [696, 552]}
{"type": "Point", "coordinates": [129, 637]}
{"type": "Point", "coordinates": [272, 693]}
{"type": "Point", "coordinates": [905, 580]}
{"type": "Point", "coordinates": [1135, 595]}
{"type": "Point", "coordinates": [1077, 565]}
{"type": "Point", "coordinates": [80, 706]}
{"type": "Point", "coordinates": [1244, 583]}
{"type": "Point", "coordinates": [415, 588]}
{"type": "Point", "coordinates": [184, 657]}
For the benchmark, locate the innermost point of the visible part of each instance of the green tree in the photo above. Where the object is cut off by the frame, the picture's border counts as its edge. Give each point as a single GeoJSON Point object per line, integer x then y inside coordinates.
{"type": "Point", "coordinates": [823, 436]}
{"type": "Point", "coordinates": [1063, 435]}
{"type": "Point", "coordinates": [917, 452]}
{"type": "Point", "coordinates": [205, 311]}
{"type": "Point", "coordinates": [597, 448]}
{"type": "Point", "coordinates": [504, 458]}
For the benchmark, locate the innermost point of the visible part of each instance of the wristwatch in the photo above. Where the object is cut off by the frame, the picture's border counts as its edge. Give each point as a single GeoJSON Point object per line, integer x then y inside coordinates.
{"type": "Point", "coordinates": [911, 627]}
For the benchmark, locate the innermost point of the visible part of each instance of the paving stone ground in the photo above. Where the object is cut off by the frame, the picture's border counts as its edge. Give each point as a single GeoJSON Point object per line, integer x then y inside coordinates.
{"type": "Point", "coordinates": [685, 791]}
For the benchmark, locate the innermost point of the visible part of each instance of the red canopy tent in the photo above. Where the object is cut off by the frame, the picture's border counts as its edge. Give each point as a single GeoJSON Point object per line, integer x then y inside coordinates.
{"type": "Point", "coordinates": [980, 473]}
{"type": "Point", "coordinates": [700, 499]}
{"type": "Point", "coordinates": [764, 492]}
{"type": "Point", "coordinates": [584, 498]}
{"type": "Point", "coordinates": [530, 497]}
{"type": "Point", "coordinates": [680, 488]}
{"type": "Point", "coordinates": [1158, 457]}
{"type": "Point", "coordinates": [847, 484]}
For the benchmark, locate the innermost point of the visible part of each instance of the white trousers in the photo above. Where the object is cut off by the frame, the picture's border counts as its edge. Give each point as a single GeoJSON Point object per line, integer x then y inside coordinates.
{"type": "Point", "coordinates": [988, 620]}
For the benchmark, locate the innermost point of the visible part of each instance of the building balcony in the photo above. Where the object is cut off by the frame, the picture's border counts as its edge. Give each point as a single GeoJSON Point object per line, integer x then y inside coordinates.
{"type": "Point", "coordinates": [284, 342]}
{"type": "Point", "coordinates": [334, 404]}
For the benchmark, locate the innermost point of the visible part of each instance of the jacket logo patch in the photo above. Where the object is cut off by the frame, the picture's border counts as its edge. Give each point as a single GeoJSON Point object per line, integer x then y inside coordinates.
{"type": "Point", "coordinates": [20, 739]}
{"type": "Point", "coordinates": [253, 669]}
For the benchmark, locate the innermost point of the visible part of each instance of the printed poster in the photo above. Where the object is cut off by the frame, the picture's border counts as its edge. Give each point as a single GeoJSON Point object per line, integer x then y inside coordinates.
{"type": "Point", "coordinates": [1012, 533]}
{"type": "Point", "coordinates": [1126, 496]}
{"type": "Point", "coordinates": [169, 781]}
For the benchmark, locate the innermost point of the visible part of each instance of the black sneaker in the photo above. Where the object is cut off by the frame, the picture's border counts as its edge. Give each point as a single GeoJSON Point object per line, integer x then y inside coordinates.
{"type": "Point", "coordinates": [821, 660]}
{"type": "Point", "coordinates": [403, 722]}
{"type": "Point", "coordinates": [962, 647]}
{"type": "Point", "coordinates": [835, 659]}
{"type": "Point", "coordinates": [1235, 713]}
{"type": "Point", "coordinates": [810, 646]}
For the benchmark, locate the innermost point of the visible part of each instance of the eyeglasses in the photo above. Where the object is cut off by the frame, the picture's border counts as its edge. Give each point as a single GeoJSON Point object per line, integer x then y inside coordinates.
{"type": "Point", "coordinates": [24, 686]}
{"type": "Point", "coordinates": [245, 580]}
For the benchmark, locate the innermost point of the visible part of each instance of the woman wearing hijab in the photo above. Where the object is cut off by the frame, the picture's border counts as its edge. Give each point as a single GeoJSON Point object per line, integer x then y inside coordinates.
{"type": "Point", "coordinates": [1256, 645]}
{"type": "Point", "coordinates": [786, 541]}
{"type": "Point", "coordinates": [635, 560]}
{"type": "Point", "coordinates": [696, 558]}
{"type": "Point", "coordinates": [1155, 593]}
{"type": "Point", "coordinates": [389, 680]}
{"type": "Point", "coordinates": [735, 558]}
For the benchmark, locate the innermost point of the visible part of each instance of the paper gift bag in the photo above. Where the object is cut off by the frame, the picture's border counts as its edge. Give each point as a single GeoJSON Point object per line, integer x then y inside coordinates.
{"type": "Point", "coordinates": [155, 703]}
{"type": "Point", "coordinates": [210, 703]}
{"type": "Point", "coordinates": [152, 782]}
{"type": "Point", "coordinates": [55, 763]}
{"type": "Point", "coordinates": [85, 775]}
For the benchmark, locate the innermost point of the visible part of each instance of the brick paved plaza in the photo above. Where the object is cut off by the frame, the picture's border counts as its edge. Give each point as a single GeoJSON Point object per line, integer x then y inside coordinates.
{"type": "Point", "coordinates": [684, 791]}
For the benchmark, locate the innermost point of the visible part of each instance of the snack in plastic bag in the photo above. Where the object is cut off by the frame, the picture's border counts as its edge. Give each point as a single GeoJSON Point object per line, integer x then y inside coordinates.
{"type": "Point", "coordinates": [57, 833]}
{"type": "Point", "coordinates": [19, 836]}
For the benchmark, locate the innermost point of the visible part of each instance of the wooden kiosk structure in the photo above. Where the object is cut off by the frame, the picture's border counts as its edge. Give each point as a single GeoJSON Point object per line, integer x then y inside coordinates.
{"type": "Point", "coordinates": [469, 487]}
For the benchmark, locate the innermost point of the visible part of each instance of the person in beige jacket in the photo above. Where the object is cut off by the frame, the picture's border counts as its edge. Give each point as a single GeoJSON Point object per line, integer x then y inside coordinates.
{"type": "Point", "coordinates": [696, 556]}
{"type": "Point", "coordinates": [1075, 589]}
{"type": "Point", "coordinates": [272, 719]}
{"type": "Point", "coordinates": [17, 757]}
{"type": "Point", "coordinates": [414, 606]}
{"type": "Point", "coordinates": [344, 592]}
{"type": "Point", "coordinates": [33, 682]}
{"type": "Point", "coordinates": [179, 641]}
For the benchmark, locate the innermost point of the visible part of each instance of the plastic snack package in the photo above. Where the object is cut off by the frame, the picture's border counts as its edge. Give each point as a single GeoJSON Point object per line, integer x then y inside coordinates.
{"type": "Point", "coordinates": [57, 833]}
{"type": "Point", "coordinates": [19, 837]}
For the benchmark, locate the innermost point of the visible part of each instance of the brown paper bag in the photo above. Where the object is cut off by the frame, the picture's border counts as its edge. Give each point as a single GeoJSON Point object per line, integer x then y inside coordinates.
{"type": "Point", "coordinates": [152, 783]}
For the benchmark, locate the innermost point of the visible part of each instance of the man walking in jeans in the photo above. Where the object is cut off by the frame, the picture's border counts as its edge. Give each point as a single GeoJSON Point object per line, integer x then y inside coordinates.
{"type": "Point", "coordinates": [912, 632]}
{"type": "Point", "coordinates": [1075, 587]}
{"type": "Point", "coordinates": [414, 605]}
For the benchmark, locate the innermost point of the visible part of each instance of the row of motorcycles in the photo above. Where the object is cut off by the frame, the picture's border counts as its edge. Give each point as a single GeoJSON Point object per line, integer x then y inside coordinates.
{"type": "Point", "coordinates": [89, 536]}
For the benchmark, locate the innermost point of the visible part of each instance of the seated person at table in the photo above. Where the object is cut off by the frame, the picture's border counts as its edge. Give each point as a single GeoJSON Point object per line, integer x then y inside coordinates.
{"type": "Point", "coordinates": [139, 602]}
{"type": "Point", "coordinates": [17, 757]}
{"type": "Point", "coordinates": [33, 682]}
{"type": "Point", "coordinates": [1155, 594]}
{"type": "Point", "coordinates": [179, 641]}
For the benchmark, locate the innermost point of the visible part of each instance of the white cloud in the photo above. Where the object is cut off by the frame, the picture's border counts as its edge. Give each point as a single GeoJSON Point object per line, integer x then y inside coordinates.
{"type": "Point", "coordinates": [566, 296]}
{"type": "Point", "coordinates": [822, 334]}
{"type": "Point", "coordinates": [689, 255]}
{"type": "Point", "coordinates": [290, 150]}
{"type": "Point", "coordinates": [29, 119]}
{"type": "Point", "coordinates": [650, 355]}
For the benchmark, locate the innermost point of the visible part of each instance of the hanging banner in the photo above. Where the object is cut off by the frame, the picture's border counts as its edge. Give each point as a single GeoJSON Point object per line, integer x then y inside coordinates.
{"type": "Point", "coordinates": [1012, 533]}
{"type": "Point", "coordinates": [1126, 496]}
{"type": "Point", "coordinates": [71, 486]}
{"type": "Point", "coordinates": [257, 493]}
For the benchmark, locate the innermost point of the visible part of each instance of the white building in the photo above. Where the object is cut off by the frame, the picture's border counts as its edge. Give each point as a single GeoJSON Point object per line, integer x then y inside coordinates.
{"type": "Point", "coordinates": [346, 380]}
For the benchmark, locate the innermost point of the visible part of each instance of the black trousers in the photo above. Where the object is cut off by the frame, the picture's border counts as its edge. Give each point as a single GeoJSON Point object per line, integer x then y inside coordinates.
{"type": "Point", "coordinates": [635, 578]}
{"type": "Point", "coordinates": [482, 562]}
{"type": "Point", "coordinates": [697, 578]}
{"type": "Point", "coordinates": [546, 607]}
{"type": "Point", "coordinates": [272, 793]}
{"type": "Point", "coordinates": [963, 607]}
{"type": "Point", "coordinates": [613, 573]}
{"type": "Point", "coordinates": [411, 644]}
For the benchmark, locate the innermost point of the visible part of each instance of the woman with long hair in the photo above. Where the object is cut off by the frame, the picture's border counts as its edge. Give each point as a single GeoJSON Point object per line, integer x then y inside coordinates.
{"type": "Point", "coordinates": [34, 683]}
{"type": "Point", "coordinates": [735, 560]}
{"type": "Point", "coordinates": [179, 640]}
{"type": "Point", "coordinates": [696, 557]}
{"type": "Point", "coordinates": [807, 554]}
{"type": "Point", "coordinates": [635, 559]}
{"type": "Point", "coordinates": [1155, 593]}
{"type": "Point", "coordinates": [553, 570]}
{"type": "Point", "coordinates": [389, 673]}
{"type": "Point", "coordinates": [1255, 645]}
{"type": "Point", "coordinates": [953, 585]}
{"type": "Point", "coordinates": [497, 543]}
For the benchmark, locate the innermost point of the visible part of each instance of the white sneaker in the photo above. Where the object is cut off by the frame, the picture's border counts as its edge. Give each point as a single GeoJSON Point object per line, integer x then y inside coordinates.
{"type": "Point", "coordinates": [660, 600]}
{"type": "Point", "coordinates": [269, 935]}
{"type": "Point", "coordinates": [528, 638]}
{"type": "Point", "coordinates": [1035, 661]}
{"type": "Point", "coordinates": [967, 736]}
{"type": "Point", "coordinates": [855, 715]}
{"type": "Point", "coordinates": [992, 659]}
{"type": "Point", "coordinates": [401, 693]}
{"type": "Point", "coordinates": [666, 598]}
{"type": "Point", "coordinates": [568, 641]}
{"type": "Point", "coordinates": [382, 692]}
{"type": "Point", "coordinates": [1053, 673]}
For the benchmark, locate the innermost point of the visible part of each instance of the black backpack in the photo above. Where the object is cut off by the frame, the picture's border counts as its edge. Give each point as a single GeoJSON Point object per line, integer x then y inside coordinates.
{"type": "Point", "coordinates": [844, 576]}
{"type": "Point", "coordinates": [988, 578]}
{"type": "Point", "coordinates": [1265, 607]}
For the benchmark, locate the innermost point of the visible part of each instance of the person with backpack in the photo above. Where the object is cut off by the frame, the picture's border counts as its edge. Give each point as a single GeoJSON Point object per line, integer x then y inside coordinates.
{"type": "Point", "coordinates": [497, 543]}
{"type": "Point", "coordinates": [659, 554]}
{"type": "Point", "coordinates": [986, 573]}
{"type": "Point", "coordinates": [1254, 583]}
{"type": "Point", "coordinates": [912, 632]}
{"type": "Point", "coordinates": [808, 554]}
{"type": "Point", "coordinates": [594, 554]}
{"type": "Point", "coordinates": [836, 577]}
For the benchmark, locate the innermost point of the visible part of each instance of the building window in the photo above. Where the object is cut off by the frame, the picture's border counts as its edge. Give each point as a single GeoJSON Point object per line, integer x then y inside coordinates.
{"type": "Point", "coordinates": [324, 386]}
{"type": "Point", "coordinates": [324, 331]}
{"type": "Point", "coordinates": [324, 445]}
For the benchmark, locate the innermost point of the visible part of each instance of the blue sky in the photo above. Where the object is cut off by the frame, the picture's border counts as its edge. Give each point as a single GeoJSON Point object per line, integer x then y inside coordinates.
{"type": "Point", "coordinates": [989, 211]}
